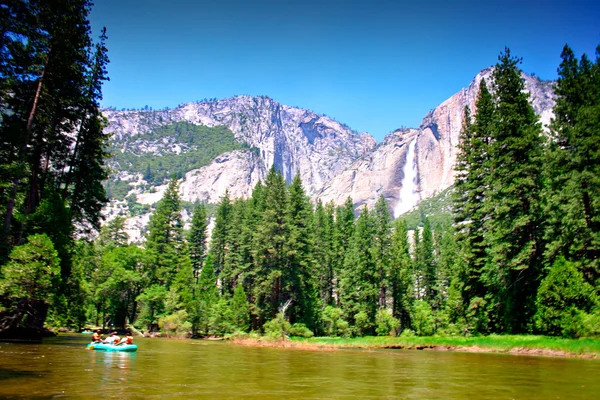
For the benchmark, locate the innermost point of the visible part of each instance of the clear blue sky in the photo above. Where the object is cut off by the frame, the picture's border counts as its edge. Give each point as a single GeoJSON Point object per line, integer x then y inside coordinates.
{"type": "Point", "coordinates": [374, 65]}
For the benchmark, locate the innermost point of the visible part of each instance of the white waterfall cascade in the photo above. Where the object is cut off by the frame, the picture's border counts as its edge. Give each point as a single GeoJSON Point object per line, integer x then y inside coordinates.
{"type": "Point", "coordinates": [409, 197]}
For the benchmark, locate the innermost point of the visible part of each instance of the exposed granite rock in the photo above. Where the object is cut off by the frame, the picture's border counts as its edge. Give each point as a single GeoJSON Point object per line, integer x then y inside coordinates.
{"type": "Point", "coordinates": [333, 161]}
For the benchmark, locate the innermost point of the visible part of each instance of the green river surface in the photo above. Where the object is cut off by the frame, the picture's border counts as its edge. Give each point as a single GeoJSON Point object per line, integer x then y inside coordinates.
{"type": "Point", "coordinates": [61, 367]}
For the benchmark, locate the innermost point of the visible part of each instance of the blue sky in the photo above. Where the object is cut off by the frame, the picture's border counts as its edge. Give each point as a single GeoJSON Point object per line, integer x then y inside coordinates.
{"type": "Point", "coordinates": [373, 65]}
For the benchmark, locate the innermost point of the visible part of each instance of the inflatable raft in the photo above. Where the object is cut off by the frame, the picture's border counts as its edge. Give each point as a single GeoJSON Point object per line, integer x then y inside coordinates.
{"type": "Point", "coordinates": [111, 347]}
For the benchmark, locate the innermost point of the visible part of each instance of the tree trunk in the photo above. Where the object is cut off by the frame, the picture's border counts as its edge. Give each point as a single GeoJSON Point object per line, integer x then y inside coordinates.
{"type": "Point", "coordinates": [11, 202]}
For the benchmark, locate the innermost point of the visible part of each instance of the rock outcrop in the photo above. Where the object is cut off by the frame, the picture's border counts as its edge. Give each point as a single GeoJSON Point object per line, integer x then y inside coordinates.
{"type": "Point", "coordinates": [333, 161]}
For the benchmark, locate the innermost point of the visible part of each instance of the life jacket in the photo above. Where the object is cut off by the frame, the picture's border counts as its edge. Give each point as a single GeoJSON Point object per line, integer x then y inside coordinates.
{"type": "Point", "coordinates": [128, 340]}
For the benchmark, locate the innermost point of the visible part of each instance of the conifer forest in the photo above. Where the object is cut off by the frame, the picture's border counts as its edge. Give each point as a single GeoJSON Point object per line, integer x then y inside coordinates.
{"type": "Point", "coordinates": [522, 254]}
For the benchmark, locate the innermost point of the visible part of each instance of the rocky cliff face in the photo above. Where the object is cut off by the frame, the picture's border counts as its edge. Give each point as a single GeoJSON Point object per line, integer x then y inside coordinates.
{"type": "Point", "coordinates": [440, 130]}
{"type": "Point", "coordinates": [333, 161]}
{"type": "Point", "coordinates": [384, 172]}
{"type": "Point", "coordinates": [293, 140]}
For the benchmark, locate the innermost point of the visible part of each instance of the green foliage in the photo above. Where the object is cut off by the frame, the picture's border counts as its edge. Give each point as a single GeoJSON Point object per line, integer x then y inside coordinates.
{"type": "Point", "coordinates": [120, 280]}
{"type": "Point", "coordinates": [221, 318]}
{"type": "Point", "coordinates": [240, 309]}
{"type": "Point", "coordinates": [201, 145]}
{"type": "Point", "coordinates": [175, 325]}
{"type": "Point", "coordinates": [438, 209]}
{"type": "Point", "coordinates": [423, 318]}
{"type": "Point", "coordinates": [563, 301]}
{"type": "Point", "coordinates": [113, 233]}
{"type": "Point", "coordinates": [385, 322]}
{"type": "Point", "coordinates": [33, 271]}
{"type": "Point", "coordinates": [572, 167]}
{"type": "Point", "coordinates": [478, 316]}
{"type": "Point", "coordinates": [359, 286]}
{"type": "Point", "coordinates": [117, 189]}
{"type": "Point", "coordinates": [335, 325]}
{"type": "Point", "coordinates": [165, 240]}
{"type": "Point", "coordinates": [152, 307]}
{"type": "Point", "coordinates": [198, 238]}
{"type": "Point", "coordinates": [362, 323]}
{"type": "Point", "coordinates": [401, 276]}
{"type": "Point", "coordinates": [277, 328]}
{"type": "Point", "coordinates": [300, 330]}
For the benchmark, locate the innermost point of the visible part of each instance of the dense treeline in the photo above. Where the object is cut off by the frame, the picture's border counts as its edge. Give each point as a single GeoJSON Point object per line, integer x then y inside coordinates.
{"type": "Point", "coordinates": [520, 256]}
{"type": "Point", "coordinates": [52, 152]}
{"type": "Point", "coordinates": [527, 205]}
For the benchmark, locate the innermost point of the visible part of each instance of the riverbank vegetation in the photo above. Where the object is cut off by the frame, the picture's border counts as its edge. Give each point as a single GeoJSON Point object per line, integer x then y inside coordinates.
{"type": "Point", "coordinates": [514, 344]}
{"type": "Point", "coordinates": [521, 255]}
{"type": "Point", "coordinates": [509, 344]}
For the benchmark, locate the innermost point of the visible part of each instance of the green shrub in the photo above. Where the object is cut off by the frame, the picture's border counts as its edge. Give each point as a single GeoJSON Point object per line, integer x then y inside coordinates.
{"type": "Point", "coordinates": [335, 325]}
{"type": "Point", "coordinates": [362, 324]}
{"type": "Point", "coordinates": [422, 318]}
{"type": "Point", "coordinates": [385, 322]}
{"type": "Point", "coordinates": [301, 330]}
{"type": "Point", "coordinates": [565, 301]}
{"type": "Point", "coordinates": [277, 328]}
{"type": "Point", "coordinates": [176, 324]}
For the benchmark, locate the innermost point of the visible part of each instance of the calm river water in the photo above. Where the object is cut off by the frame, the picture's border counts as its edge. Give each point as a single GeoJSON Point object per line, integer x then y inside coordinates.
{"type": "Point", "coordinates": [192, 369]}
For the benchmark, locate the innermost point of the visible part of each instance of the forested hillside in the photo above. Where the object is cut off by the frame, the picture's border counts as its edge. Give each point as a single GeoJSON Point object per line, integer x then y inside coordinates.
{"type": "Point", "coordinates": [520, 253]}
{"type": "Point", "coordinates": [167, 151]}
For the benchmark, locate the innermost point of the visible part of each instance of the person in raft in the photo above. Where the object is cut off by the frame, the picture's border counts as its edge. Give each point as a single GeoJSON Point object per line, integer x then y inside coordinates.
{"type": "Point", "coordinates": [97, 336]}
{"type": "Point", "coordinates": [112, 339]}
{"type": "Point", "coordinates": [128, 339]}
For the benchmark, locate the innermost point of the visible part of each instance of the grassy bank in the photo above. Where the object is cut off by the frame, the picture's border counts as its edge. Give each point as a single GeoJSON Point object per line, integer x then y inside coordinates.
{"type": "Point", "coordinates": [514, 344]}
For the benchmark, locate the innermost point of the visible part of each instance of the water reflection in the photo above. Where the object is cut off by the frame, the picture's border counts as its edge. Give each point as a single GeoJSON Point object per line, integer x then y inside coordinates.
{"type": "Point", "coordinates": [199, 369]}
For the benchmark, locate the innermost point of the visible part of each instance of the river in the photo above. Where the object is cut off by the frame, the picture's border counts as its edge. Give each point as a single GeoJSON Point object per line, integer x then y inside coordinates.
{"type": "Point", "coordinates": [61, 367]}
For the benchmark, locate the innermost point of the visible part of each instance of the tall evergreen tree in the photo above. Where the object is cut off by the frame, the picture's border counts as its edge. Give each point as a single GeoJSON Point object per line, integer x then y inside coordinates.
{"type": "Point", "coordinates": [198, 238]}
{"type": "Point", "coordinates": [382, 242]}
{"type": "Point", "coordinates": [401, 275]}
{"type": "Point", "coordinates": [221, 232]}
{"type": "Point", "coordinates": [359, 286]}
{"type": "Point", "coordinates": [298, 274]}
{"type": "Point", "coordinates": [165, 240]}
{"type": "Point", "coordinates": [472, 175]}
{"type": "Point", "coordinates": [573, 166]}
{"type": "Point", "coordinates": [269, 249]}
{"type": "Point", "coordinates": [512, 204]}
{"type": "Point", "coordinates": [324, 250]}
{"type": "Point", "coordinates": [425, 265]}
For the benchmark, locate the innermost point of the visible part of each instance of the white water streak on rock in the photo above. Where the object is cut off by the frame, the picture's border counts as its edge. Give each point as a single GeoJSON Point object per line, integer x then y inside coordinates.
{"type": "Point", "coordinates": [409, 196]}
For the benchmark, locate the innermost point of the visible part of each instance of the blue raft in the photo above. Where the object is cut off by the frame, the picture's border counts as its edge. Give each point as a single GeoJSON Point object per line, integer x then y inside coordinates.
{"type": "Point", "coordinates": [130, 348]}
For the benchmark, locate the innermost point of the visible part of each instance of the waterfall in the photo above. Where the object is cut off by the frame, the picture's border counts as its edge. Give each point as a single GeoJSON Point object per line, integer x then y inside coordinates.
{"type": "Point", "coordinates": [408, 194]}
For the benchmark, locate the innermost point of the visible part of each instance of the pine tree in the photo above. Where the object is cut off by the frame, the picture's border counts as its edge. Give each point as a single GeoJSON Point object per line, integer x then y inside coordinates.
{"type": "Point", "coordinates": [573, 168]}
{"type": "Point", "coordinates": [359, 286]}
{"type": "Point", "coordinates": [240, 309]}
{"type": "Point", "coordinates": [197, 238]}
{"type": "Point", "coordinates": [300, 283]}
{"type": "Point", "coordinates": [269, 249]}
{"type": "Point", "coordinates": [113, 234]}
{"type": "Point", "coordinates": [220, 234]}
{"type": "Point", "coordinates": [165, 240]}
{"type": "Point", "coordinates": [324, 249]}
{"type": "Point", "coordinates": [512, 204]}
{"type": "Point", "coordinates": [472, 175]}
{"type": "Point", "coordinates": [342, 234]}
{"type": "Point", "coordinates": [206, 296]}
{"type": "Point", "coordinates": [382, 242]}
{"type": "Point", "coordinates": [401, 275]}
{"type": "Point", "coordinates": [426, 266]}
